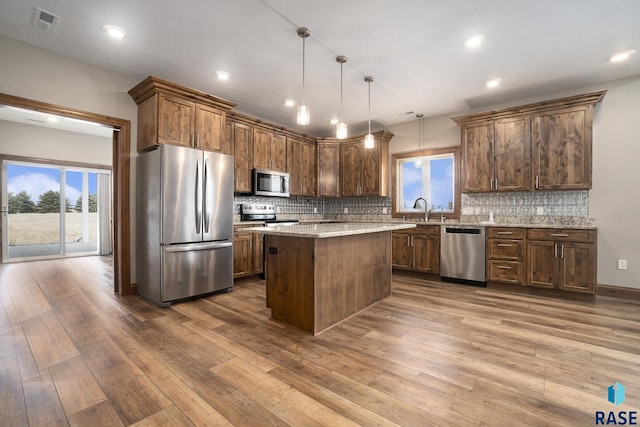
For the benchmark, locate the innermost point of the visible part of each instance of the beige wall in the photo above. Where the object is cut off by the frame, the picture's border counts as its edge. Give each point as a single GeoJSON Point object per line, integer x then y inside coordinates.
{"type": "Point", "coordinates": [19, 139]}
{"type": "Point", "coordinates": [33, 73]}
{"type": "Point", "coordinates": [614, 201]}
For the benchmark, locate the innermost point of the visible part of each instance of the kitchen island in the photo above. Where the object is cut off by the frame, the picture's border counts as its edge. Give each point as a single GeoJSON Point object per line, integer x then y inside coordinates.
{"type": "Point", "coordinates": [320, 274]}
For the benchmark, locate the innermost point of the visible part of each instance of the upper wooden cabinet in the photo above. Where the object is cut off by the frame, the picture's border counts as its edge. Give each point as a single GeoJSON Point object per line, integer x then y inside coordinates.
{"type": "Point", "coordinates": [365, 172]}
{"type": "Point", "coordinates": [328, 168]}
{"type": "Point", "coordinates": [542, 146]}
{"type": "Point", "coordinates": [269, 150]}
{"type": "Point", "coordinates": [242, 148]}
{"type": "Point", "coordinates": [301, 166]}
{"type": "Point", "coordinates": [562, 148]}
{"type": "Point", "coordinates": [173, 114]}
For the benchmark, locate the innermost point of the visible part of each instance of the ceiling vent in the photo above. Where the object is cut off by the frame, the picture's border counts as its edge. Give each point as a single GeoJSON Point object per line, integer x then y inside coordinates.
{"type": "Point", "coordinates": [45, 20]}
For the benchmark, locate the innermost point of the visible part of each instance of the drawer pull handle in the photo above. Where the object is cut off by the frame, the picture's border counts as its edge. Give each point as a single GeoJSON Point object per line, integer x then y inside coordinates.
{"type": "Point", "coordinates": [504, 232]}
{"type": "Point", "coordinates": [504, 267]}
{"type": "Point", "coordinates": [559, 235]}
{"type": "Point", "coordinates": [503, 245]}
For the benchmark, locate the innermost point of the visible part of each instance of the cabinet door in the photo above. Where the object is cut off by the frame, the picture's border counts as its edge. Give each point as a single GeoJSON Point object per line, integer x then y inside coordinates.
{"type": "Point", "coordinates": [512, 147]}
{"type": "Point", "coordinates": [477, 157]}
{"type": "Point", "coordinates": [542, 264]}
{"type": "Point", "coordinates": [350, 170]}
{"type": "Point", "coordinates": [328, 170]}
{"type": "Point", "coordinates": [261, 146]}
{"type": "Point", "coordinates": [401, 254]}
{"type": "Point", "coordinates": [562, 149]}
{"type": "Point", "coordinates": [176, 121]}
{"type": "Point", "coordinates": [577, 267]}
{"type": "Point", "coordinates": [226, 147]}
{"type": "Point", "coordinates": [426, 253]}
{"type": "Point", "coordinates": [308, 173]}
{"type": "Point", "coordinates": [258, 253]}
{"type": "Point", "coordinates": [242, 155]}
{"type": "Point", "coordinates": [243, 254]}
{"type": "Point", "coordinates": [295, 167]}
{"type": "Point", "coordinates": [370, 179]}
{"type": "Point", "coordinates": [278, 153]}
{"type": "Point", "coordinates": [209, 128]}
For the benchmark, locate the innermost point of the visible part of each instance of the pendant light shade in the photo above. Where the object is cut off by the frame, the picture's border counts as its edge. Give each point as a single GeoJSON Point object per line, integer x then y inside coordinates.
{"type": "Point", "coordinates": [369, 140]}
{"type": "Point", "coordinates": [304, 114]}
{"type": "Point", "coordinates": [341, 129]}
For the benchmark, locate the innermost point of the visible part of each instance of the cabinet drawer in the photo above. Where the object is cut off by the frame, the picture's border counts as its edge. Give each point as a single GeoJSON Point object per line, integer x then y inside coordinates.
{"type": "Point", "coordinates": [560, 234]}
{"type": "Point", "coordinates": [505, 233]}
{"type": "Point", "coordinates": [505, 249]}
{"type": "Point", "coordinates": [427, 230]}
{"type": "Point", "coordinates": [505, 271]}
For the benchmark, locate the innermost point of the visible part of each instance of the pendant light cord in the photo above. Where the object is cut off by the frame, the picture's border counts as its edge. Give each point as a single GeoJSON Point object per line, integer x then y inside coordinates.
{"type": "Point", "coordinates": [369, 106]}
{"type": "Point", "coordinates": [303, 56]}
{"type": "Point", "coordinates": [341, 121]}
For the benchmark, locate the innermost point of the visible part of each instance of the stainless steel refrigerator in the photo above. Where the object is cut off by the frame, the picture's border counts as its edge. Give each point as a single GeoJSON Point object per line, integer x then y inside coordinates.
{"type": "Point", "coordinates": [184, 224]}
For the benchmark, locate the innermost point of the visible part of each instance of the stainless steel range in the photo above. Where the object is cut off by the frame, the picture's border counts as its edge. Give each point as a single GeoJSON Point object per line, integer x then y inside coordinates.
{"type": "Point", "coordinates": [262, 212]}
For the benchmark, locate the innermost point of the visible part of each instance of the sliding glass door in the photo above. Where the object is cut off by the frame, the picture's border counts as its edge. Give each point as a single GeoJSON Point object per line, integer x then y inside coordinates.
{"type": "Point", "coordinates": [52, 211]}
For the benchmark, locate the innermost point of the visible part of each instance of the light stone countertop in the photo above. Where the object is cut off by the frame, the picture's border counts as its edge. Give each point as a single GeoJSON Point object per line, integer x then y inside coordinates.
{"type": "Point", "coordinates": [321, 231]}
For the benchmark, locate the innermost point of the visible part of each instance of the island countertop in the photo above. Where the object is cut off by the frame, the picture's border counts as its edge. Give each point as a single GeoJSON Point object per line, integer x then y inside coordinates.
{"type": "Point", "coordinates": [321, 231]}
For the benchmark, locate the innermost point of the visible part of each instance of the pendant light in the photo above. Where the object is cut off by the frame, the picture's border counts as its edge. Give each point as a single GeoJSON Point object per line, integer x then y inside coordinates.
{"type": "Point", "coordinates": [369, 140]}
{"type": "Point", "coordinates": [341, 129]}
{"type": "Point", "coordinates": [304, 114]}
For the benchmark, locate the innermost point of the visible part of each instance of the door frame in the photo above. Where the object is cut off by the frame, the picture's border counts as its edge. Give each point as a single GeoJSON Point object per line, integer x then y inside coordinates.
{"type": "Point", "coordinates": [121, 166]}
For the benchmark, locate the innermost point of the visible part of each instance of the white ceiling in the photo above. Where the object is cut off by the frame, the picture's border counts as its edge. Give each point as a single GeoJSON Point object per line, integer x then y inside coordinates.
{"type": "Point", "coordinates": [413, 48]}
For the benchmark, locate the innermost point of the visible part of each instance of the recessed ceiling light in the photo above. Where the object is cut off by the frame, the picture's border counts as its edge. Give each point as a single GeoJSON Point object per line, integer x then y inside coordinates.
{"type": "Point", "coordinates": [115, 32]}
{"type": "Point", "coordinates": [334, 121]}
{"type": "Point", "coordinates": [223, 75]}
{"type": "Point", "coordinates": [289, 102]}
{"type": "Point", "coordinates": [474, 41]}
{"type": "Point", "coordinates": [621, 56]}
{"type": "Point", "coordinates": [494, 83]}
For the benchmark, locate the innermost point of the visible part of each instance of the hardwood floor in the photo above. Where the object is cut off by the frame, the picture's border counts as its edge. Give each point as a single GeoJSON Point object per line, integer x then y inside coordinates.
{"type": "Point", "coordinates": [73, 353]}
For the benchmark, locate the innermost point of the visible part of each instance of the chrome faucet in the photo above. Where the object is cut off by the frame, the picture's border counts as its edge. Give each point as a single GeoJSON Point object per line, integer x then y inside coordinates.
{"type": "Point", "coordinates": [426, 205]}
{"type": "Point", "coordinates": [441, 213]}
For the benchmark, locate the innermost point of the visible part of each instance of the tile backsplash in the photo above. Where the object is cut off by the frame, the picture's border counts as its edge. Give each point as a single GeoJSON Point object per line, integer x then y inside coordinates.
{"type": "Point", "coordinates": [516, 204]}
{"type": "Point", "coordinates": [547, 203]}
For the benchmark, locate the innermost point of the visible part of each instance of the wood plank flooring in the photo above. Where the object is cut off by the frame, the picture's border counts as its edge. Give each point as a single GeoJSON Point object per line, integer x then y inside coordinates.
{"type": "Point", "coordinates": [433, 354]}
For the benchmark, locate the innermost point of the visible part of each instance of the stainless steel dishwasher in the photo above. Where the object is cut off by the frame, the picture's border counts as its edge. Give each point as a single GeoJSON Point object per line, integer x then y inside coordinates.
{"type": "Point", "coordinates": [462, 254]}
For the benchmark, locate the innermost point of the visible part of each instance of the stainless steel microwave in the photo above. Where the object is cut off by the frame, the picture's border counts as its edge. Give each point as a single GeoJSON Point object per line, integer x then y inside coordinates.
{"type": "Point", "coordinates": [270, 183]}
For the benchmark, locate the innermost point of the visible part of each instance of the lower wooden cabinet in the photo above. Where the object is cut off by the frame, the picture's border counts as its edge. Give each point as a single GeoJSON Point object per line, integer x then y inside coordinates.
{"type": "Point", "coordinates": [417, 249]}
{"type": "Point", "coordinates": [505, 255]}
{"type": "Point", "coordinates": [247, 252]}
{"type": "Point", "coordinates": [563, 259]}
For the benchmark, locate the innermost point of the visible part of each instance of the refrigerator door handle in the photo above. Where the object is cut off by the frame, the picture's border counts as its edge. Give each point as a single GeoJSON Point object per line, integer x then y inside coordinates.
{"type": "Point", "coordinates": [205, 205]}
{"type": "Point", "coordinates": [198, 200]}
{"type": "Point", "coordinates": [197, 247]}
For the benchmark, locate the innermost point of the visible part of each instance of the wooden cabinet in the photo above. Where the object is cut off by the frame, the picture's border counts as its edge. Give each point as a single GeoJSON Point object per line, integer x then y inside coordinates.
{"type": "Point", "coordinates": [248, 252]}
{"type": "Point", "coordinates": [301, 166]}
{"type": "Point", "coordinates": [495, 155]}
{"type": "Point", "coordinates": [365, 172]}
{"type": "Point", "coordinates": [563, 259]}
{"type": "Point", "coordinates": [541, 146]}
{"type": "Point", "coordinates": [172, 114]}
{"type": "Point", "coordinates": [505, 255]}
{"type": "Point", "coordinates": [242, 146]}
{"type": "Point", "coordinates": [227, 142]}
{"type": "Point", "coordinates": [417, 249]}
{"type": "Point", "coordinates": [269, 150]}
{"type": "Point", "coordinates": [562, 148]}
{"type": "Point", "coordinates": [328, 169]}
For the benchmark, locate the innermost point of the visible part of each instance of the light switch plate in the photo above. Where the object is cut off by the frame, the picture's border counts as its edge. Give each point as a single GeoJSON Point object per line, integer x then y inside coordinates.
{"type": "Point", "coordinates": [539, 210]}
{"type": "Point", "coordinates": [346, 210]}
{"type": "Point", "coordinates": [315, 210]}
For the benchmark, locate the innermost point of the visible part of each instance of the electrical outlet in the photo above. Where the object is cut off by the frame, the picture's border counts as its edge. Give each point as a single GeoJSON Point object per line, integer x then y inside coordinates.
{"type": "Point", "coordinates": [384, 211]}
{"type": "Point", "coordinates": [476, 210]}
{"type": "Point", "coordinates": [622, 264]}
{"type": "Point", "coordinates": [467, 210]}
{"type": "Point", "coordinates": [539, 210]}
{"type": "Point", "coordinates": [315, 210]}
{"type": "Point", "coordinates": [346, 210]}
{"type": "Point", "coordinates": [277, 209]}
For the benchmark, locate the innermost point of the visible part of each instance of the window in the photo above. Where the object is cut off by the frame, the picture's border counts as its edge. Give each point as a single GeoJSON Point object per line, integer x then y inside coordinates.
{"type": "Point", "coordinates": [433, 176]}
